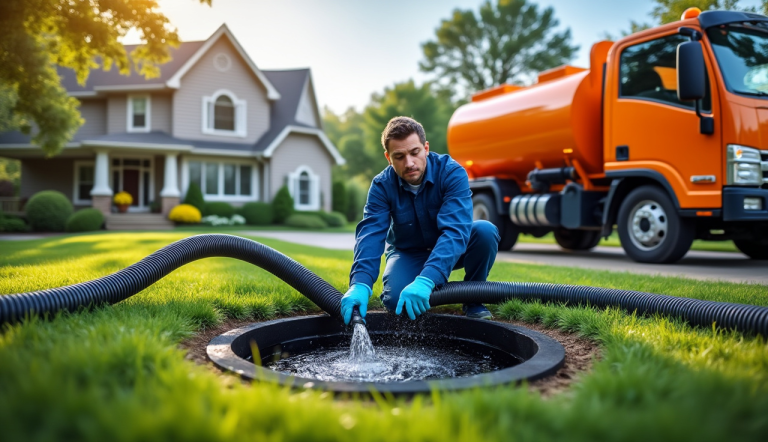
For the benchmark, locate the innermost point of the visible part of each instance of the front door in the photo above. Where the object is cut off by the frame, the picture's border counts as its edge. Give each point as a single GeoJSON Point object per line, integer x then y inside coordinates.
{"type": "Point", "coordinates": [658, 131]}
{"type": "Point", "coordinates": [131, 185]}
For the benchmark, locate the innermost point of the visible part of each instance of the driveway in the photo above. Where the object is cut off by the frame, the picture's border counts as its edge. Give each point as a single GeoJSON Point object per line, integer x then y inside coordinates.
{"type": "Point", "coordinates": [733, 267]}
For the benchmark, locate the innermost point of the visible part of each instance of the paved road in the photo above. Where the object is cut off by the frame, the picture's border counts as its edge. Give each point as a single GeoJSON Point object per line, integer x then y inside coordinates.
{"type": "Point", "coordinates": [724, 266]}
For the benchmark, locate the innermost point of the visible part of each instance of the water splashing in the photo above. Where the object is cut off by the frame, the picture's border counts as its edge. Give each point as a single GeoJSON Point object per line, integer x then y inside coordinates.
{"type": "Point", "coordinates": [361, 348]}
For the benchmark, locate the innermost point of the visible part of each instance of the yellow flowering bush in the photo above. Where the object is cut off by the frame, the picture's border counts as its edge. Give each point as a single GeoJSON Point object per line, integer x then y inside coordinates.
{"type": "Point", "coordinates": [185, 213]}
{"type": "Point", "coordinates": [123, 199]}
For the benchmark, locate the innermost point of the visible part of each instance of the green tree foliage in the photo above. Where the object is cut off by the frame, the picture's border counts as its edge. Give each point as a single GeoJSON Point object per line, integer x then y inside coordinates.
{"type": "Point", "coordinates": [358, 135]}
{"type": "Point", "coordinates": [355, 203]}
{"type": "Point", "coordinates": [194, 197]}
{"type": "Point", "coordinates": [10, 170]}
{"type": "Point", "coordinates": [505, 42]}
{"type": "Point", "coordinates": [282, 205]}
{"type": "Point", "coordinates": [37, 35]}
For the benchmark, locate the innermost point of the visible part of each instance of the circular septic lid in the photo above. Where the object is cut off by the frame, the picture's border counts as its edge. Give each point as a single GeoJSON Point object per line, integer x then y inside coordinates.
{"type": "Point", "coordinates": [538, 355]}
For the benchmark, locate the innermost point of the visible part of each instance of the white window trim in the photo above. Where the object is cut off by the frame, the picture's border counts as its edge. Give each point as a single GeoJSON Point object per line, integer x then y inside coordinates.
{"type": "Point", "coordinates": [254, 196]}
{"type": "Point", "coordinates": [314, 189]}
{"type": "Point", "coordinates": [148, 118]}
{"type": "Point", "coordinates": [240, 115]}
{"type": "Point", "coordinates": [76, 182]}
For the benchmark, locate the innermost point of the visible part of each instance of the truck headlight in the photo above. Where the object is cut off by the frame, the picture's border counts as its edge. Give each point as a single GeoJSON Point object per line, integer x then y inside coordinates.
{"type": "Point", "coordinates": [743, 167]}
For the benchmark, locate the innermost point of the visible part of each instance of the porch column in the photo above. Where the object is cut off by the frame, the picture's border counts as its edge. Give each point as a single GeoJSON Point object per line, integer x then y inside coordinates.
{"type": "Point", "coordinates": [170, 195]}
{"type": "Point", "coordinates": [101, 194]}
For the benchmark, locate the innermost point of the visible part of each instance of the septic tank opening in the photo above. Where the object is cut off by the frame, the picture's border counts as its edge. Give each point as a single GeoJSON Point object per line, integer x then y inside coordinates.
{"type": "Point", "coordinates": [435, 352]}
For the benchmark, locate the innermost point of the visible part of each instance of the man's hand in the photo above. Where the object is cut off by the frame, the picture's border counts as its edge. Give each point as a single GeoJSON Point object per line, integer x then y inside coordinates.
{"type": "Point", "coordinates": [415, 297]}
{"type": "Point", "coordinates": [358, 294]}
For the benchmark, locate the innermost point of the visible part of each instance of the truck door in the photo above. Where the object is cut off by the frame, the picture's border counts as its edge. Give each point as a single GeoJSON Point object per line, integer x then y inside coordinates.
{"type": "Point", "coordinates": [649, 129]}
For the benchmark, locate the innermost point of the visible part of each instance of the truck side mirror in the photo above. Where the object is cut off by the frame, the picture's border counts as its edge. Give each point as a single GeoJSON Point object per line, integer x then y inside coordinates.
{"type": "Point", "coordinates": [691, 72]}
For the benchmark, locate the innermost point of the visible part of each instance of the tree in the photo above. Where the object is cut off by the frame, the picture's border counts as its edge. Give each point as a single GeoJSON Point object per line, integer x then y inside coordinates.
{"type": "Point", "coordinates": [339, 197]}
{"type": "Point", "coordinates": [37, 35]}
{"type": "Point", "coordinates": [506, 42]}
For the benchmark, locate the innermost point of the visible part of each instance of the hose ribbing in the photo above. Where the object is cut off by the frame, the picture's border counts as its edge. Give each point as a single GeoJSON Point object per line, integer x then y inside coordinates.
{"type": "Point", "coordinates": [135, 278]}
{"type": "Point", "coordinates": [745, 318]}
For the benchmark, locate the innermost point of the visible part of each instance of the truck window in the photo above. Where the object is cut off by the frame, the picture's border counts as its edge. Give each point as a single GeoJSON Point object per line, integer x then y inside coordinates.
{"type": "Point", "coordinates": [649, 72]}
{"type": "Point", "coordinates": [741, 51]}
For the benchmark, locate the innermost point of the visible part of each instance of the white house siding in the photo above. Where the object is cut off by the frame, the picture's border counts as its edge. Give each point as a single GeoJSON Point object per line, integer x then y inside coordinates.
{"type": "Point", "coordinates": [117, 114]}
{"type": "Point", "coordinates": [204, 80]}
{"type": "Point", "coordinates": [306, 111]}
{"type": "Point", "coordinates": [94, 112]}
{"type": "Point", "coordinates": [160, 112]}
{"type": "Point", "coordinates": [301, 150]}
{"type": "Point", "coordinates": [47, 174]}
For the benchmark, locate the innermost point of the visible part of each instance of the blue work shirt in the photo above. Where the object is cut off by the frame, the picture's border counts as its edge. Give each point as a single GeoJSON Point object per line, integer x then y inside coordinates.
{"type": "Point", "coordinates": [438, 218]}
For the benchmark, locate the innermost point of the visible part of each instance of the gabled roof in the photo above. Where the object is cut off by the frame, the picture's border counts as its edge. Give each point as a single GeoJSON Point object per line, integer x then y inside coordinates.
{"type": "Point", "coordinates": [182, 60]}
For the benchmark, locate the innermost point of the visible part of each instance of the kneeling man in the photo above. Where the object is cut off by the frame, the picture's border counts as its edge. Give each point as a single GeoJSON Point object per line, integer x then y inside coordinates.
{"type": "Point", "coordinates": [422, 206]}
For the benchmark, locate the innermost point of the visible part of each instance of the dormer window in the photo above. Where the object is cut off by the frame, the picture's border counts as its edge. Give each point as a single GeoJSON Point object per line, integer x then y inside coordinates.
{"type": "Point", "coordinates": [138, 113]}
{"type": "Point", "coordinates": [224, 114]}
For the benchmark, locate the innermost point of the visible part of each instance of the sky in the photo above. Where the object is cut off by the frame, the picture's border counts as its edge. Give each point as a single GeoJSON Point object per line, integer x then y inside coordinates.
{"type": "Point", "coordinates": [358, 47]}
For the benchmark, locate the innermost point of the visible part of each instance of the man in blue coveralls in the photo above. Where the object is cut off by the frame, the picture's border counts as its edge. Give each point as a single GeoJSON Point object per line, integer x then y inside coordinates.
{"type": "Point", "coordinates": [422, 206]}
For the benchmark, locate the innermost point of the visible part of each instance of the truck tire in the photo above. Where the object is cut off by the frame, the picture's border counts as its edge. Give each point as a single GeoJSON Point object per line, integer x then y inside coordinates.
{"type": "Point", "coordinates": [483, 207]}
{"type": "Point", "coordinates": [754, 249]}
{"type": "Point", "coordinates": [577, 239]}
{"type": "Point", "coordinates": [650, 228]}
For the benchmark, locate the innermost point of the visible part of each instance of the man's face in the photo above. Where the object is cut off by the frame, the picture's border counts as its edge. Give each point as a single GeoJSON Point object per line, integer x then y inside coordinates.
{"type": "Point", "coordinates": [408, 157]}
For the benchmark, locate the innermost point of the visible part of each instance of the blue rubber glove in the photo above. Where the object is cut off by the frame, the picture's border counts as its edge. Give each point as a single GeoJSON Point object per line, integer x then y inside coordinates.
{"type": "Point", "coordinates": [415, 297]}
{"type": "Point", "coordinates": [358, 294]}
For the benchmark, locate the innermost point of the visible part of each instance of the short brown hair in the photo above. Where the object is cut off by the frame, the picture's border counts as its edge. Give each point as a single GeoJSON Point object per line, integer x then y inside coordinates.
{"type": "Point", "coordinates": [400, 128]}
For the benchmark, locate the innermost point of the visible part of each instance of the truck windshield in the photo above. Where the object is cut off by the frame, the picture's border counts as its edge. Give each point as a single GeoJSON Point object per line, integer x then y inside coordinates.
{"type": "Point", "coordinates": [742, 54]}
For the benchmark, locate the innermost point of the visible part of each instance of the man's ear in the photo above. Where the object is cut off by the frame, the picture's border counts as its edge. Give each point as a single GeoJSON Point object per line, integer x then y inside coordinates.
{"type": "Point", "coordinates": [426, 146]}
{"type": "Point", "coordinates": [386, 155]}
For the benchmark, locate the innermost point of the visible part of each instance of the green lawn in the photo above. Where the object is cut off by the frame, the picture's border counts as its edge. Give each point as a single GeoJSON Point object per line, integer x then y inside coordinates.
{"type": "Point", "coordinates": [117, 373]}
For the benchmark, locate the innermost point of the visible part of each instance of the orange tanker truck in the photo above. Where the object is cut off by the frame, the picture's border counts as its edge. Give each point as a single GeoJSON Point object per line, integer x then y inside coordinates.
{"type": "Point", "coordinates": [665, 137]}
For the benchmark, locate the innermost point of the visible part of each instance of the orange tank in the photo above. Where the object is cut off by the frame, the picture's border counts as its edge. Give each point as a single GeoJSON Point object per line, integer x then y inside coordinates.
{"type": "Point", "coordinates": [508, 131]}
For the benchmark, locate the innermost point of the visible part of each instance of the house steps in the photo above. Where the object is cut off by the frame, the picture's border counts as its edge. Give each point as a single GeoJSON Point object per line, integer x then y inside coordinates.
{"type": "Point", "coordinates": [137, 221]}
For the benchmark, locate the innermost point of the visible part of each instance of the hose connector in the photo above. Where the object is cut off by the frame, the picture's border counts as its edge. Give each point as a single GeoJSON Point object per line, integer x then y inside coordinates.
{"type": "Point", "coordinates": [356, 318]}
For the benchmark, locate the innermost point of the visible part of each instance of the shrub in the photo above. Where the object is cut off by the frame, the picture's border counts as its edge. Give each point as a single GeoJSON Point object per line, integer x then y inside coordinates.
{"type": "Point", "coordinates": [86, 220]}
{"type": "Point", "coordinates": [282, 205]}
{"type": "Point", "coordinates": [194, 197]}
{"type": "Point", "coordinates": [215, 220]}
{"type": "Point", "coordinates": [6, 188]}
{"type": "Point", "coordinates": [332, 219]}
{"type": "Point", "coordinates": [185, 214]}
{"type": "Point", "coordinates": [355, 203]}
{"type": "Point", "coordinates": [123, 199]}
{"type": "Point", "coordinates": [305, 221]}
{"type": "Point", "coordinates": [48, 210]}
{"type": "Point", "coordinates": [219, 208]}
{"type": "Point", "coordinates": [339, 197]}
{"type": "Point", "coordinates": [257, 214]}
{"type": "Point", "coordinates": [12, 224]}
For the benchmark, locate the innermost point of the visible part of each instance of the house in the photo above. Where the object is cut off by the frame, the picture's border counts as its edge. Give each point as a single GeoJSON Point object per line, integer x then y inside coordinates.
{"type": "Point", "coordinates": [212, 118]}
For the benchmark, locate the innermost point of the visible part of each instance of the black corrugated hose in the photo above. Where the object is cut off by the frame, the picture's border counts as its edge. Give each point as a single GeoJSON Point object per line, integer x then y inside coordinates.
{"type": "Point", "coordinates": [131, 280]}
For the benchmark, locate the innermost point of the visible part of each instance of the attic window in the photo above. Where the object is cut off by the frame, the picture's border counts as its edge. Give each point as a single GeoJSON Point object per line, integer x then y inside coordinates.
{"type": "Point", "coordinates": [138, 113]}
{"type": "Point", "coordinates": [224, 114]}
{"type": "Point", "coordinates": [222, 62]}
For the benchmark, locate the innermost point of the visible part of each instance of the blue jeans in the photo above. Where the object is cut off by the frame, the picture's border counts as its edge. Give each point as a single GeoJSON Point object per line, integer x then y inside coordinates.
{"type": "Point", "coordinates": [403, 267]}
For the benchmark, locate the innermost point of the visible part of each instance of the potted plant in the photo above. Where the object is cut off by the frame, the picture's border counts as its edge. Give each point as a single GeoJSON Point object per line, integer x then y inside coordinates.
{"type": "Point", "coordinates": [122, 200]}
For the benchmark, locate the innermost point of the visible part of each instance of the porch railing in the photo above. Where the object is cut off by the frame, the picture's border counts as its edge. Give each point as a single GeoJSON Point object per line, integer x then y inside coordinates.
{"type": "Point", "coordinates": [12, 205]}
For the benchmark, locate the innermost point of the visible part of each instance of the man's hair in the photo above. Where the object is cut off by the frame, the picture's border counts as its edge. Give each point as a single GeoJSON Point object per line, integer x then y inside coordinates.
{"type": "Point", "coordinates": [400, 128]}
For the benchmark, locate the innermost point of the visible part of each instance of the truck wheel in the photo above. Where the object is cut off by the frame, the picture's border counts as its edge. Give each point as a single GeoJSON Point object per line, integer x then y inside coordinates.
{"type": "Point", "coordinates": [484, 208]}
{"type": "Point", "coordinates": [650, 229]}
{"type": "Point", "coordinates": [754, 249]}
{"type": "Point", "coordinates": [577, 239]}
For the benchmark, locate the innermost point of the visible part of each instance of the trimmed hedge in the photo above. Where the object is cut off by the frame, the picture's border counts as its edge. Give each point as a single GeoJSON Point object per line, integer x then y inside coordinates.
{"type": "Point", "coordinates": [86, 220]}
{"type": "Point", "coordinates": [12, 224]}
{"type": "Point", "coordinates": [282, 205]}
{"type": "Point", "coordinates": [219, 208]}
{"type": "Point", "coordinates": [194, 197]}
{"type": "Point", "coordinates": [339, 197]}
{"type": "Point", "coordinates": [185, 214]}
{"type": "Point", "coordinates": [48, 211]}
{"type": "Point", "coordinates": [257, 214]}
{"type": "Point", "coordinates": [305, 221]}
{"type": "Point", "coordinates": [332, 219]}
{"type": "Point", "coordinates": [355, 203]}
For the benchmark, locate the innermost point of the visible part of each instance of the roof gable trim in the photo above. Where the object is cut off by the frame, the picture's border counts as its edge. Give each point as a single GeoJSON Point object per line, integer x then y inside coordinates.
{"type": "Point", "coordinates": [175, 81]}
{"type": "Point", "coordinates": [340, 161]}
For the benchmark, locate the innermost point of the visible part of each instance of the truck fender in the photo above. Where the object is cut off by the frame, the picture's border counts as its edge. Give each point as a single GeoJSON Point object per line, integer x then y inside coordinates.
{"type": "Point", "coordinates": [623, 183]}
